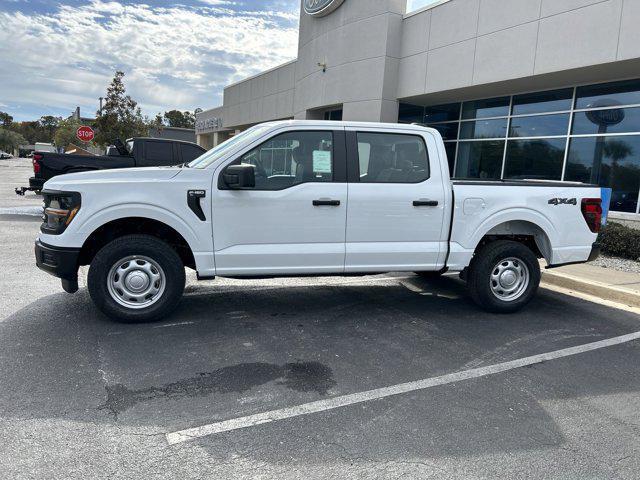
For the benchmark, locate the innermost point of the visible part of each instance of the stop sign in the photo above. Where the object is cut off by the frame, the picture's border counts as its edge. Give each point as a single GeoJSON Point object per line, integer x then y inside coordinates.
{"type": "Point", "coordinates": [85, 134]}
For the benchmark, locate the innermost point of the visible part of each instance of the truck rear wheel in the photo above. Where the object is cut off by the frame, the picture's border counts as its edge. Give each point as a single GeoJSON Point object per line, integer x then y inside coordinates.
{"type": "Point", "coordinates": [503, 276]}
{"type": "Point", "coordinates": [136, 278]}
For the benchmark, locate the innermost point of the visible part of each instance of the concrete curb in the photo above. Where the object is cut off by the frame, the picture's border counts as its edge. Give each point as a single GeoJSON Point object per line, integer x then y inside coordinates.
{"type": "Point", "coordinates": [601, 290]}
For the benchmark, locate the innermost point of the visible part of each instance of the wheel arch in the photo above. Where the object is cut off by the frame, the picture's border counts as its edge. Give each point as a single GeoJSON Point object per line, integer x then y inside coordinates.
{"type": "Point", "coordinates": [529, 234]}
{"type": "Point", "coordinates": [522, 225]}
{"type": "Point", "coordinates": [120, 227]}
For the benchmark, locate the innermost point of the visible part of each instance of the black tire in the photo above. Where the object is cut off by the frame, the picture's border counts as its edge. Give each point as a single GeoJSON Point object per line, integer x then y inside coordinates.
{"type": "Point", "coordinates": [153, 249]}
{"type": "Point", "coordinates": [487, 262]}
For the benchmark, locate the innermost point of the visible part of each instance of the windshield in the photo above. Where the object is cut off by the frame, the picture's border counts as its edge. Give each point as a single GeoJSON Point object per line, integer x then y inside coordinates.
{"type": "Point", "coordinates": [130, 146]}
{"type": "Point", "coordinates": [218, 152]}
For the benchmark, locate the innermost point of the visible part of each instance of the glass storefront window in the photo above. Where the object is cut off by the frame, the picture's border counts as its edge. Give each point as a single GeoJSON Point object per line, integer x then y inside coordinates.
{"type": "Point", "coordinates": [449, 131]}
{"type": "Point", "coordinates": [610, 162]}
{"type": "Point", "coordinates": [334, 115]}
{"type": "Point", "coordinates": [492, 107]}
{"type": "Point", "coordinates": [450, 148]}
{"type": "Point", "coordinates": [542, 102]}
{"type": "Point", "coordinates": [484, 129]}
{"type": "Point", "coordinates": [410, 113]}
{"type": "Point", "coordinates": [482, 160]}
{"type": "Point", "coordinates": [442, 113]}
{"type": "Point", "coordinates": [614, 120]}
{"type": "Point", "coordinates": [608, 94]}
{"type": "Point", "coordinates": [540, 126]}
{"type": "Point", "coordinates": [604, 136]}
{"type": "Point", "coordinates": [539, 159]}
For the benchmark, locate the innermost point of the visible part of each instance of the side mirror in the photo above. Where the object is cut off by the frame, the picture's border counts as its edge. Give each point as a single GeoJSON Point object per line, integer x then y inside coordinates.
{"type": "Point", "coordinates": [237, 177]}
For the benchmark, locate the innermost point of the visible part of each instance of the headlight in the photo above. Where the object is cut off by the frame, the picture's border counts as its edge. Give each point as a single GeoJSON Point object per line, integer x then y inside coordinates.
{"type": "Point", "coordinates": [60, 208]}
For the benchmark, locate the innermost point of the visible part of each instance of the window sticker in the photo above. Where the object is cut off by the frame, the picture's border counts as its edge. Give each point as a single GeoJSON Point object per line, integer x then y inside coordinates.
{"type": "Point", "coordinates": [321, 161]}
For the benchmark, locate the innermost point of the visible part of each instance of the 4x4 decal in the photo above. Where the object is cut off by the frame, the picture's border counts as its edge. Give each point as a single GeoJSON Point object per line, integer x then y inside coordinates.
{"type": "Point", "coordinates": [563, 201]}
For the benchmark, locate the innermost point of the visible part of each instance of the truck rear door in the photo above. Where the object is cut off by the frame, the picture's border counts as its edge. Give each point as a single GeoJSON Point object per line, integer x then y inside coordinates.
{"type": "Point", "coordinates": [397, 201]}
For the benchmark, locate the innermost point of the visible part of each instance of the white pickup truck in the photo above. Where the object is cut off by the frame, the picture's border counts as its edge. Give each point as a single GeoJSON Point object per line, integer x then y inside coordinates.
{"type": "Point", "coordinates": [300, 198]}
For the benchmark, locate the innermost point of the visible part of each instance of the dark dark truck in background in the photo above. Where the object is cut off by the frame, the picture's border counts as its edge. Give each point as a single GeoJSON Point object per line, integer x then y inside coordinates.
{"type": "Point", "coordinates": [138, 152]}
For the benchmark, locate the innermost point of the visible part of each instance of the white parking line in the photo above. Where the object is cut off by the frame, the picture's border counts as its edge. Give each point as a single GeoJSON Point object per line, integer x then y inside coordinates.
{"type": "Point", "coordinates": [346, 400]}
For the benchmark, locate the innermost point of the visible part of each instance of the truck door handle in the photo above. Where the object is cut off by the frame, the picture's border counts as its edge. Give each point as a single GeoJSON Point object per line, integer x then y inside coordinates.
{"type": "Point", "coordinates": [425, 203]}
{"type": "Point", "coordinates": [327, 203]}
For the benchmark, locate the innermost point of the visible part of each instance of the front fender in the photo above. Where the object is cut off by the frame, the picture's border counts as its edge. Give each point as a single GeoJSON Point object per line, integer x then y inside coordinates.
{"type": "Point", "coordinates": [88, 225]}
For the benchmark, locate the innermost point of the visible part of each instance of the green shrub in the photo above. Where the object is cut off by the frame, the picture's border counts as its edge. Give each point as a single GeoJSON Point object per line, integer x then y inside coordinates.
{"type": "Point", "coordinates": [620, 241]}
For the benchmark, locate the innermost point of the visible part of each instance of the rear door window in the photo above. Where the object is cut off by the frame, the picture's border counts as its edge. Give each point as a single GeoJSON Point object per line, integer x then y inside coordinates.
{"type": "Point", "coordinates": [392, 158]}
{"type": "Point", "coordinates": [158, 153]}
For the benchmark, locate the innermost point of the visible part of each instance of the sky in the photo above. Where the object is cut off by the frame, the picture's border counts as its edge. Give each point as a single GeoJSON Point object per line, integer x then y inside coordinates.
{"type": "Point", "coordinates": [416, 4]}
{"type": "Point", "coordinates": [56, 55]}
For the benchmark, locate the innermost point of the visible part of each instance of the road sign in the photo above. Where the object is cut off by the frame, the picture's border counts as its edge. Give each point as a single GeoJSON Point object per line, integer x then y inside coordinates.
{"type": "Point", "coordinates": [85, 134]}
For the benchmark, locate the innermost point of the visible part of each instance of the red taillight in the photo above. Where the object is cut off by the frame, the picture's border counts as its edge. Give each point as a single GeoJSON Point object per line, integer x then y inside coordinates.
{"type": "Point", "coordinates": [592, 213]}
{"type": "Point", "coordinates": [36, 163]}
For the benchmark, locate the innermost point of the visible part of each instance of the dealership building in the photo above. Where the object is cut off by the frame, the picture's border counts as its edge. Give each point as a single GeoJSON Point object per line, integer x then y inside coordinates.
{"type": "Point", "coordinates": [536, 89]}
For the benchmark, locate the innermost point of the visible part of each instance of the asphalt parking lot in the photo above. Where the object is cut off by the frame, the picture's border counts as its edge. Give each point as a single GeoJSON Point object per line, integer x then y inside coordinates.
{"type": "Point", "coordinates": [83, 397]}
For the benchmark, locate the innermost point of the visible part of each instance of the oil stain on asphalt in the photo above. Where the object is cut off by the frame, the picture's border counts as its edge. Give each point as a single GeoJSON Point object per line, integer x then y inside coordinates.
{"type": "Point", "coordinates": [299, 376]}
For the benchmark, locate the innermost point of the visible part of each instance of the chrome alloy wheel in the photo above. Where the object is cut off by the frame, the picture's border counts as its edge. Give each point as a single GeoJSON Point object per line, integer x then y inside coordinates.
{"type": "Point", "coordinates": [509, 279]}
{"type": "Point", "coordinates": [136, 282]}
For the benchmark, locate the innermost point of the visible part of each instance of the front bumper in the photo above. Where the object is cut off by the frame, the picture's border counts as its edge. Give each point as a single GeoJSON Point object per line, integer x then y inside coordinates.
{"type": "Point", "coordinates": [59, 262]}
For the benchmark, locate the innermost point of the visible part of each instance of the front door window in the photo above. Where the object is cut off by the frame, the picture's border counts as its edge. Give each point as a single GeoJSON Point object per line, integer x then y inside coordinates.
{"type": "Point", "coordinates": [292, 158]}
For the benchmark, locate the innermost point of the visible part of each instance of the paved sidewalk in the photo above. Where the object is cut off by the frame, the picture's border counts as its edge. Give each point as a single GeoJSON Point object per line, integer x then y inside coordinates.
{"type": "Point", "coordinates": [605, 283]}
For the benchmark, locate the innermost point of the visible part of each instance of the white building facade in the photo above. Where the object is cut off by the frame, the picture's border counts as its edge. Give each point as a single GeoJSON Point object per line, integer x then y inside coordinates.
{"type": "Point", "coordinates": [545, 89]}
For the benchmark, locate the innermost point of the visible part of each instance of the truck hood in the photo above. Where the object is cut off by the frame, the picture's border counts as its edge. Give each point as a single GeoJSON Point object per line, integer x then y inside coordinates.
{"type": "Point", "coordinates": [120, 175]}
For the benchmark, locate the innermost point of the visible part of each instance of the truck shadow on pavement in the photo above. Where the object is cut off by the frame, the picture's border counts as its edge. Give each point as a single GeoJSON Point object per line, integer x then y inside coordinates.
{"type": "Point", "coordinates": [230, 351]}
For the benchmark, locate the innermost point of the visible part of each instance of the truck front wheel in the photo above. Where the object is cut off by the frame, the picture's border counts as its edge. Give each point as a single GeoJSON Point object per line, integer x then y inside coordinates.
{"type": "Point", "coordinates": [503, 276]}
{"type": "Point", "coordinates": [136, 278]}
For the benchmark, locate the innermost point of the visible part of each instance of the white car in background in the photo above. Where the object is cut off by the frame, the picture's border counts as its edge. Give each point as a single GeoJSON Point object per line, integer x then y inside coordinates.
{"type": "Point", "coordinates": [5, 155]}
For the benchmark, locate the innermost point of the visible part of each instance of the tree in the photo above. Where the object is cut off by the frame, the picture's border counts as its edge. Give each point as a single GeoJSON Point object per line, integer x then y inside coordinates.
{"type": "Point", "coordinates": [176, 118]}
{"type": "Point", "coordinates": [32, 131]}
{"type": "Point", "coordinates": [9, 140]}
{"type": "Point", "coordinates": [49, 124]}
{"type": "Point", "coordinates": [120, 117]}
{"type": "Point", "coordinates": [157, 122]}
{"type": "Point", "coordinates": [5, 119]}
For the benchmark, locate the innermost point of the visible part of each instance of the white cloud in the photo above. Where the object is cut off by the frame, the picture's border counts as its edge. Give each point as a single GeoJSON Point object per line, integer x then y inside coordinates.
{"type": "Point", "coordinates": [177, 57]}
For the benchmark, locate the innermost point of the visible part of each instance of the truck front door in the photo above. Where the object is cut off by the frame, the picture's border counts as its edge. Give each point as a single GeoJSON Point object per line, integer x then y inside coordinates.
{"type": "Point", "coordinates": [396, 206]}
{"type": "Point", "coordinates": [293, 220]}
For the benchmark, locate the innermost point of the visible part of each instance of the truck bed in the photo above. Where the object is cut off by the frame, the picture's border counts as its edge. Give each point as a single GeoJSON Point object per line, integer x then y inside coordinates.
{"type": "Point", "coordinates": [550, 211]}
{"type": "Point", "coordinates": [53, 164]}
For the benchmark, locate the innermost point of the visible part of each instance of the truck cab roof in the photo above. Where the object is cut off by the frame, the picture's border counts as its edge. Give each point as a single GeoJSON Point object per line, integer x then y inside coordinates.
{"type": "Point", "coordinates": [171, 140]}
{"type": "Point", "coordinates": [346, 124]}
